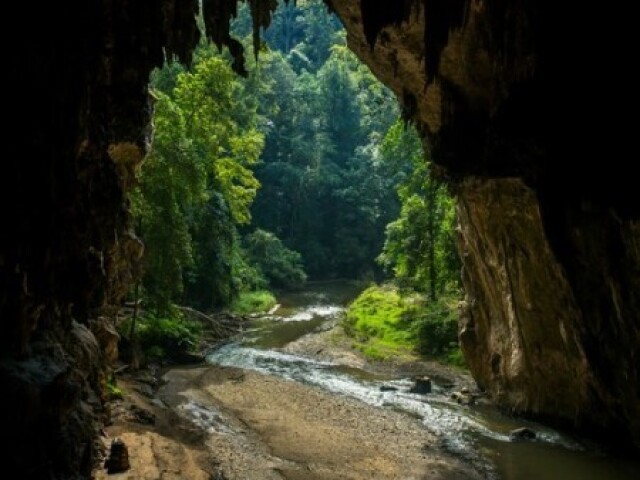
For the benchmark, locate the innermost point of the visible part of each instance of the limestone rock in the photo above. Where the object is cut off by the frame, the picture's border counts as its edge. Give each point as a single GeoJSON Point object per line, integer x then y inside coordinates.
{"type": "Point", "coordinates": [142, 415]}
{"type": "Point", "coordinates": [118, 460]}
{"type": "Point", "coordinates": [549, 244]}
{"type": "Point", "coordinates": [107, 336]}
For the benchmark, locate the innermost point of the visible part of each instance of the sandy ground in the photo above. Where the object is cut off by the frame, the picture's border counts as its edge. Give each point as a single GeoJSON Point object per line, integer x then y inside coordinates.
{"type": "Point", "coordinates": [217, 423]}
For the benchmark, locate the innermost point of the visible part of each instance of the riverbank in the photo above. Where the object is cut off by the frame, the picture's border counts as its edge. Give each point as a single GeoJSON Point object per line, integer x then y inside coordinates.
{"type": "Point", "coordinates": [230, 423]}
{"type": "Point", "coordinates": [332, 344]}
{"type": "Point", "coordinates": [293, 398]}
{"type": "Point", "coordinates": [227, 423]}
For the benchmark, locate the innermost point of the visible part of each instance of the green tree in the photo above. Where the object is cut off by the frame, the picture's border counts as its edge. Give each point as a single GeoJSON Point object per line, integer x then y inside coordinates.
{"type": "Point", "coordinates": [419, 247]}
{"type": "Point", "coordinates": [281, 266]}
{"type": "Point", "coordinates": [197, 185]}
{"type": "Point", "coordinates": [324, 191]}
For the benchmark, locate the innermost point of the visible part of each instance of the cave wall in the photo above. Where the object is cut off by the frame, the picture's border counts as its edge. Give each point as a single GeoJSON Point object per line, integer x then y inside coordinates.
{"type": "Point", "coordinates": [550, 244]}
{"type": "Point", "coordinates": [549, 241]}
{"type": "Point", "coordinates": [79, 117]}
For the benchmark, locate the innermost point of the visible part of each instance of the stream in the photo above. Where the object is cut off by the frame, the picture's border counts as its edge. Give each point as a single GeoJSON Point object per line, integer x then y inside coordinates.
{"type": "Point", "coordinates": [478, 434]}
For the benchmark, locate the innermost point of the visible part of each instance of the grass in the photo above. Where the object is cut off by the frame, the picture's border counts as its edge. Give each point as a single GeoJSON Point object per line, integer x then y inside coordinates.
{"type": "Point", "coordinates": [253, 302]}
{"type": "Point", "coordinates": [386, 322]}
{"type": "Point", "coordinates": [380, 321]}
{"type": "Point", "coordinates": [113, 391]}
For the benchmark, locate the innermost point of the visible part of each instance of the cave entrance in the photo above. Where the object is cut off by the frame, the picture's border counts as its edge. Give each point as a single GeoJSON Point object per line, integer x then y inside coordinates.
{"type": "Point", "coordinates": [278, 200]}
{"type": "Point", "coordinates": [555, 259]}
{"type": "Point", "coordinates": [303, 170]}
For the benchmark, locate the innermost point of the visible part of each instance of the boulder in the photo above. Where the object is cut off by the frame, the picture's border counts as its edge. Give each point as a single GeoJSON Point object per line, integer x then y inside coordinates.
{"type": "Point", "coordinates": [463, 398]}
{"type": "Point", "coordinates": [118, 460]}
{"type": "Point", "coordinates": [422, 385]}
{"type": "Point", "coordinates": [522, 433]}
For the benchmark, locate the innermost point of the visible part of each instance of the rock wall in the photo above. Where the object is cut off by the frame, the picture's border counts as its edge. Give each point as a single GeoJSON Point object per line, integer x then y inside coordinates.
{"type": "Point", "coordinates": [549, 242]}
{"type": "Point", "coordinates": [79, 115]}
{"type": "Point", "coordinates": [538, 339]}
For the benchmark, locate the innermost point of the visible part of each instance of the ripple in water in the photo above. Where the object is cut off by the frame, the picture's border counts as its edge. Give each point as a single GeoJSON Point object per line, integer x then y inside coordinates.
{"type": "Point", "coordinates": [324, 311]}
{"type": "Point", "coordinates": [206, 418]}
{"type": "Point", "coordinates": [457, 427]}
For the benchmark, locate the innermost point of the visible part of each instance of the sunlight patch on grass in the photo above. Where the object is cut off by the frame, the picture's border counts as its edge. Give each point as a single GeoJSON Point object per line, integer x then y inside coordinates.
{"type": "Point", "coordinates": [260, 301]}
{"type": "Point", "coordinates": [380, 322]}
{"type": "Point", "coordinates": [387, 323]}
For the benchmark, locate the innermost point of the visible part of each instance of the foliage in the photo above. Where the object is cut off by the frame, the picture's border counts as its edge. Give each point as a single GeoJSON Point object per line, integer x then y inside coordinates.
{"type": "Point", "coordinates": [324, 191]}
{"type": "Point", "coordinates": [281, 266]}
{"type": "Point", "coordinates": [113, 391]}
{"type": "Point", "coordinates": [168, 337]}
{"type": "Point", "coordinates": [419, 247]}
{"type": "Point", "coordinates": [386, 321]}
{"type": "Point", "coordinates": [253, 302]}
{"type": "Point", "coordinates": [436, 327]}
{"type": "Point", "coordinates": [380, 320]}
{"type": "Point", "coordinates": [196, 185]}
{"type": "Point", "coordinates": [456, 357]}
{"type": "Point", "coordinates": [302, 168]}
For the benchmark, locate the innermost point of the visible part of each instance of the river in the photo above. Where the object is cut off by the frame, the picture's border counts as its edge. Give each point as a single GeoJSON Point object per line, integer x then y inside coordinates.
{"type": "Point", "coordinates": [478, 434]}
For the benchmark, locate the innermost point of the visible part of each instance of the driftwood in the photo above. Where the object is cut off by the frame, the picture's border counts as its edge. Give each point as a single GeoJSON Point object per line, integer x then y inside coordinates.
{"type": "Point", "coordinates": [274, 309]}
{"type": "Point", "coordinates": [223, 325]}
{"type": "Point", "coordinates": [218, 328]}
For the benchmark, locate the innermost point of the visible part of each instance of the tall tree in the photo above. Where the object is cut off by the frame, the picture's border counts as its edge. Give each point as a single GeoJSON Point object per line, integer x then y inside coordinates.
{"type": "Point", "coordinates": [197, 185]}
{"type": "Point", "coordinates": [419, 247]}
{"type": "Point", "coordinates": [323, 192]}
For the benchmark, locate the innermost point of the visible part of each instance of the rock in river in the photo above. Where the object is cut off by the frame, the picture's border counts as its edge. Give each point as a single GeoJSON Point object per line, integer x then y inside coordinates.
{"type": "Point", "coordinates": [388, 388]}
{"type": "Point", "coordinates": [522, 433]}
{"type": "Point", "coordinates": [422, 385]}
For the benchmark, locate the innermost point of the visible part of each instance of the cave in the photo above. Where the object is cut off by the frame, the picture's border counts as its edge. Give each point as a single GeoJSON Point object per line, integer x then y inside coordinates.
{"type": "Point", "coordinates": [517, 100]}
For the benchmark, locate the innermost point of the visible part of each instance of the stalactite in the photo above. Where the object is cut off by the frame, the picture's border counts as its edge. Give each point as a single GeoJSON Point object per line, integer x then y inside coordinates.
{"type": "Point", "coordinates": [261, 11]}
{"type": "Point", "coordinates": [181, 33]}
{"type": "Point", "coordinates": [375, 17]}
{"type": "Point", "coordinates": [217, 21]}
{"type": "Point", "coordinates": [440, 18]}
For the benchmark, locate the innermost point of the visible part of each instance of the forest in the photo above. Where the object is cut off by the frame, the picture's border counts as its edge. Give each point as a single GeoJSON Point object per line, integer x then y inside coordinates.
{"type": "Point", "coordinates": [305, 170]}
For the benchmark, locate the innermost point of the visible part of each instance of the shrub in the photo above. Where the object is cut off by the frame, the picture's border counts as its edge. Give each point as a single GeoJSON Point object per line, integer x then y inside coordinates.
{"type": "Point", "coordinates": [386, 321]}
{"type": "Point", "coordinates": [381, 318]}
{"type": "Point", "coordinates": [253, 302]}
{"type": "Point", "coordinates": [165, 337]}
{"type": "Point", "coordinates": [456, 357]}
{"type": "Point", "coordinates": [281, 266]}
{"type": "Point", "coordinates": [437, 328]}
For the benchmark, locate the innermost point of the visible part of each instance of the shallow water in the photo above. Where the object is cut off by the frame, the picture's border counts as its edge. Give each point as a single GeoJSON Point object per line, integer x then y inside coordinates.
{"type": "Point", "coordinates": [478, 434]}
